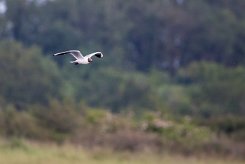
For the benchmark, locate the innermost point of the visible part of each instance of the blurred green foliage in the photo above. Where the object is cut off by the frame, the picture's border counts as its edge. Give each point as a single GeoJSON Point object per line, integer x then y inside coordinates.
{"type": "Point", "coordinates": [214, 89]}
{"type": "Point", "coordinates": [26, 76]}
{"type": "Point", "coordinates": [164, 61]}
{"type": "Point", "coordinates": [159, 34]}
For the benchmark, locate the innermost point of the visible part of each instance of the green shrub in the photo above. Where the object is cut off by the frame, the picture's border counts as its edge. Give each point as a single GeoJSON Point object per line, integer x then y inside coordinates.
{"type": "Point", "coordinates": [59, 119]}
{"type": "Point", "coordinates": [19, 124]}
{"type": "Point", "coordinates": [27, 77]}
{"type": "Point", "coordinates": [95, 116]}
{"type": "Point", "coordinates": [183, 132]}
{"type": "Point", "coordinates": [214, 89]}
{"type": "Point", "coordinates": [231, 126]}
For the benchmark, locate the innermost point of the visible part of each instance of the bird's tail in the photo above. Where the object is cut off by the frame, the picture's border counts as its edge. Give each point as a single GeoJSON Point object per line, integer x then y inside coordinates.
{"type": "Point", "coordinates": [74, 62]}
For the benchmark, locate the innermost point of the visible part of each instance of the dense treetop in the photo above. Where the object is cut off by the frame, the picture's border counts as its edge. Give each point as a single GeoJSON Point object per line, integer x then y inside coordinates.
{"type": "Point", "coordinates": [163, 34]}
{"type": "Point", "coordinates": [182, 56]}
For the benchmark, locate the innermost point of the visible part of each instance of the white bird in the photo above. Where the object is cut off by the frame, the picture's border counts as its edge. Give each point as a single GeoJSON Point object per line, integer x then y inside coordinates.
{"type": "Point", "coordinates": [80, 59]}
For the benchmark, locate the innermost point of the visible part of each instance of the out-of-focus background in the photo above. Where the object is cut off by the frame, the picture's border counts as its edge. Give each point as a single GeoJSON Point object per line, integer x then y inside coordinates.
{"type": "Point", "coordinates": [171, 85]}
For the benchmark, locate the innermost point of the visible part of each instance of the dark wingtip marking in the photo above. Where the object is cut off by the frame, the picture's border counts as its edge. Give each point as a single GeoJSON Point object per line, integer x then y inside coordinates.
{"type": "Point", "coordinates": [99, 55]}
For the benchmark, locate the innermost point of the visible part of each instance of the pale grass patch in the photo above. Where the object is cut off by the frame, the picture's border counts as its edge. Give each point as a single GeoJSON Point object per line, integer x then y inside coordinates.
{"type": "Point", "coordinates": [32, 153]}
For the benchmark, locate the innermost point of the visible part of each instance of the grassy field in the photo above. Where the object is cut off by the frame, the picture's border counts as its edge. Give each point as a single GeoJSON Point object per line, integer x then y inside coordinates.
{"type": "Point", "coordinates": [19, 153]}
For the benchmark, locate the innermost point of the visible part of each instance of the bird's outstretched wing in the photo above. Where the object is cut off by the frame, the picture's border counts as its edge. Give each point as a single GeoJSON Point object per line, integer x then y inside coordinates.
{"type": "Point", "coordinates": [97, 54]}
{"type": "Point", "coordinates": [75, 53]}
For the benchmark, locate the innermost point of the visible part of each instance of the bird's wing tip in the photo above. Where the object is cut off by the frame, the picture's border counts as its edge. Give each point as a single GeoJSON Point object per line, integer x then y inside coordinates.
{"type": "Point", "coordinates": [101, 55]}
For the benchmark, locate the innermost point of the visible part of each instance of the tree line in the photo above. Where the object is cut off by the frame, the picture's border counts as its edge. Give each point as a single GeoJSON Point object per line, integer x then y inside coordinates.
{"type": "Point", "coordinates": [158, 34]}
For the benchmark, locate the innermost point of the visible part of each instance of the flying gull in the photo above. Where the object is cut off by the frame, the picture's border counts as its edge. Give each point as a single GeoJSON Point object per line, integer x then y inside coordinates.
{"type": "Point", "coordinates": [80, 59]}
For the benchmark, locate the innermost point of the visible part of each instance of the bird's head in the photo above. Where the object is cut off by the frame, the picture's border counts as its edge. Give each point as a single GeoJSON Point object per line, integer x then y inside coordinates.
{"type": "Point", "coordinates": [90, 60]}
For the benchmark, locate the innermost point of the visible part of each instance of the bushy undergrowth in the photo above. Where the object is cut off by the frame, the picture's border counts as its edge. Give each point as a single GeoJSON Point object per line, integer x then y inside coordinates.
{"type": "Point", "coordinates": [93, 128]}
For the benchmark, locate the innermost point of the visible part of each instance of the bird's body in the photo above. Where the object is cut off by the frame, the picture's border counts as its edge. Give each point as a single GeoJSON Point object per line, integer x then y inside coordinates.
{"type": "Point", "coordinates": [80, 59]}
